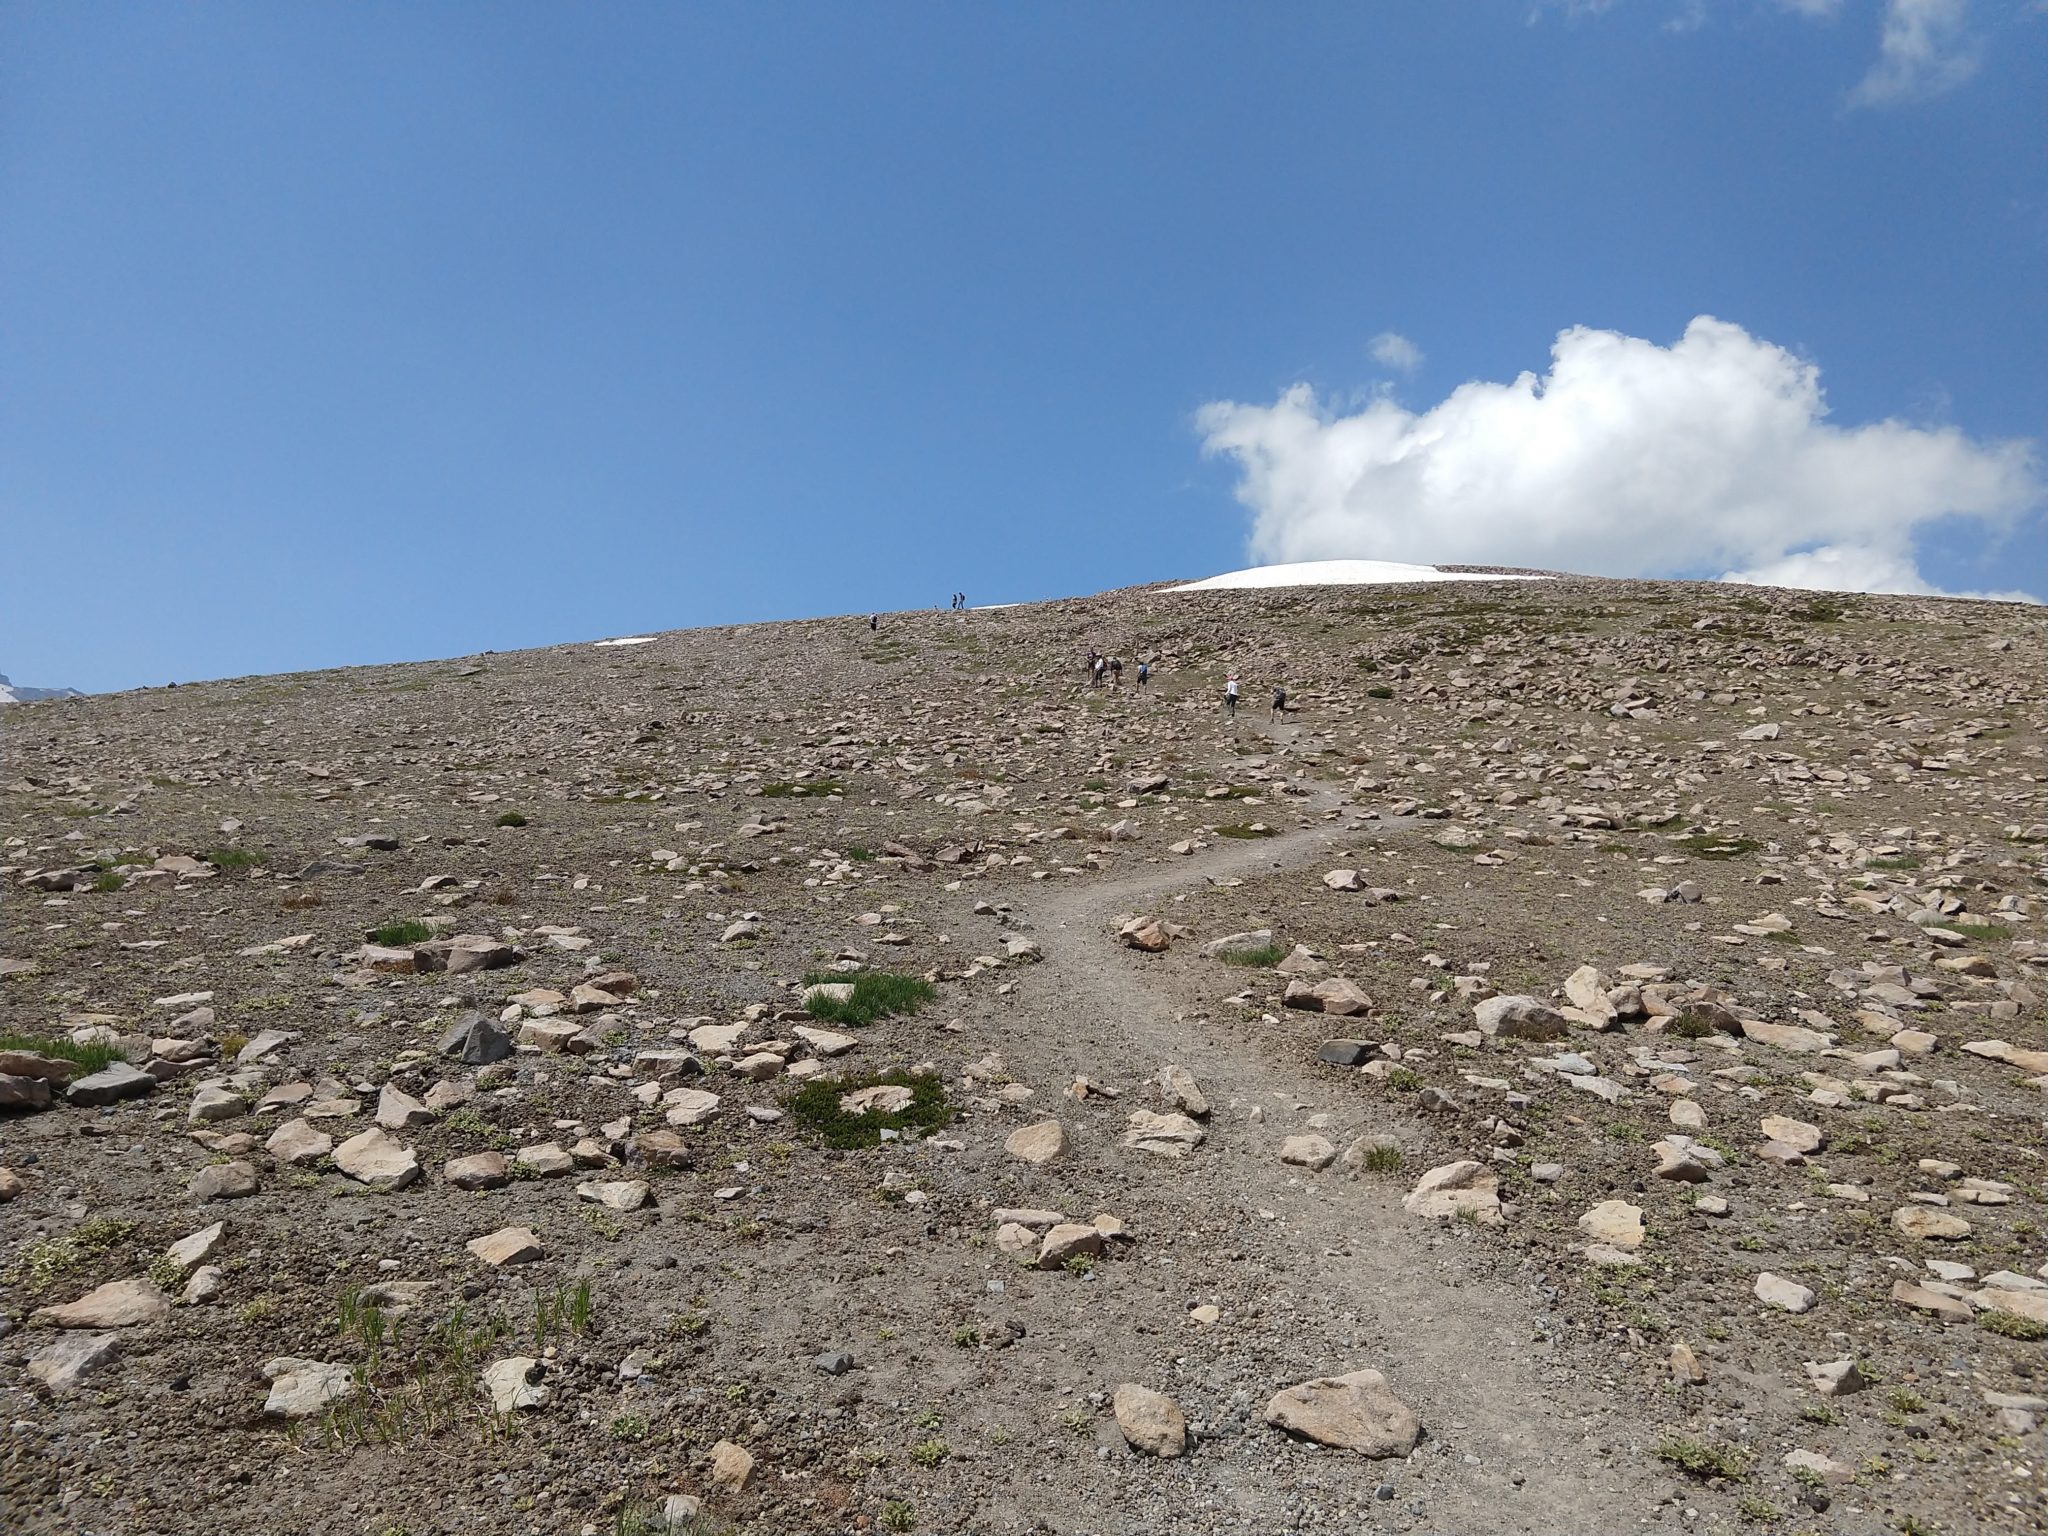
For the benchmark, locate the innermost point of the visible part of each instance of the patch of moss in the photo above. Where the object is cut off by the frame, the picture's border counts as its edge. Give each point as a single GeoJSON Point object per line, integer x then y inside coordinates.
{"type": "Point", "coordinates": [815, 1107]}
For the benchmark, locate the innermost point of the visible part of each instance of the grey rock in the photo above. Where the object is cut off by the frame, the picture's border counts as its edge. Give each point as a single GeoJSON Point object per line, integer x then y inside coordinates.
{"type": "Point", "coordinates": [110, 1085]}
{"type": "Point", "coordinates": [1347, 1053]}
{"type": "Point", "coordinates": [476, 1041]}
{"type": "Point", "coordinates": [223, 1181]}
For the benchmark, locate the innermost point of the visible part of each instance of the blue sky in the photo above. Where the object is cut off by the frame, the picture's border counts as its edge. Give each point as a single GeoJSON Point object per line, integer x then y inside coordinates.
{"type": "Point", "coordinates": [339, 334]}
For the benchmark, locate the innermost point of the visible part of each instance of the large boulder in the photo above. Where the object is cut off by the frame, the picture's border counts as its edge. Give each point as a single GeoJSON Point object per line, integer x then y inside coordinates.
{"type": "Point", "coordinates": [1332, 994]}
{"type": "Point", "coordinates": [1517, 1017]}
{"type": "Point", "coordinates": [1352, 1412]}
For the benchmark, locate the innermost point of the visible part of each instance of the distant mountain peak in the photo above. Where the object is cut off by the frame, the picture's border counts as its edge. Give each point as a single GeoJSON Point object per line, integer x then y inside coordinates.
{"type": "Point", "coordinates": [21, 693]}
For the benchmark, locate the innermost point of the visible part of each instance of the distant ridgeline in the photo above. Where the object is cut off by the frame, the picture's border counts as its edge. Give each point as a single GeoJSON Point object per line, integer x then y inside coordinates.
{"type": "Point", "coordinates": [13, 693]}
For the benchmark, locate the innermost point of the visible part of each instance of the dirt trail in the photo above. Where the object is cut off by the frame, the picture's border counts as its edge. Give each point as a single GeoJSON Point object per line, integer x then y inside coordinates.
{"type": "Point", "coordinates": [1517, 1440]}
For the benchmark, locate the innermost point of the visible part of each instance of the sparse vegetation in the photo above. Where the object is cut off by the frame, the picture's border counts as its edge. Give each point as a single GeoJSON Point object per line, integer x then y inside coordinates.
{"type": "Point", "coordinates": [90, 1057]}
{"type": "Point", "coordinates": [510, 819]}
{"type": "Point", "coordinates": [234, 858]}
{"type": "Point", "coordinates": [2012, 1326]}
{"type": "Point", "coordinates": [1717, 845]}
{"type": "Point", "coordinates": [41, 1263]}
{"type": "Point", "coordinates": [401, 933]}
{"type": "Point", "coordinates": [1702, 1459]}
{"type": "Point", "coordinates": [816, 1108]}
{"type": "Point", "coordinates": [801, 789]}
{"type": "Point", "coordinates": [876, 994]}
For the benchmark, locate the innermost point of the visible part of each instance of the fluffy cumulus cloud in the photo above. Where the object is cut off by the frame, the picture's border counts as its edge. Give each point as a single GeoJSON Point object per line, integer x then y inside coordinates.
{"type": "Point", "coordinates": [1713, 455]}
{"type": "Point", "coordinates": [1924, 48]}
{"type": "Point", "coordinates": [1393, 350]}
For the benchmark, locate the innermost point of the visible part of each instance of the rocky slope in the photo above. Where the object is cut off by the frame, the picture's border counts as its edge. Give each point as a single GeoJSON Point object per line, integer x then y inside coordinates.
{"type": "Point", "coordinates": [1580, 1068]}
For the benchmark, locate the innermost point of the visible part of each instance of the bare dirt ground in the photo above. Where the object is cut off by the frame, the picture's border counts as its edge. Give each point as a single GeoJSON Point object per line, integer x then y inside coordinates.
{"type": "Point", "coordinates": [1636, 1056]}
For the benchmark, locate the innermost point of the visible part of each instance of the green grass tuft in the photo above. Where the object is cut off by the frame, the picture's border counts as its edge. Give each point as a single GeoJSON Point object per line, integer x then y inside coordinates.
{"type": "Point", "coordinates": [876, 994]}
{"type": "Point", "coordinates": [815, 1107]}
{"type": "Point", "coordinates": [1245, 829]}
{"type": "Point", "coordinates": [1989, 933]}
{"type": "Point", "coordinates": [1254, 955]}
{"type": "Point", "coordinates": [510, 819]}
{"type": "Point", "coordinates": [90, 1057]}
{"type": "Point", "coordinates": [234, 858]}
{"type": "Point", "coordinates": [398, 934]}
{"type": "Point", "coordinates": [1718, 845]}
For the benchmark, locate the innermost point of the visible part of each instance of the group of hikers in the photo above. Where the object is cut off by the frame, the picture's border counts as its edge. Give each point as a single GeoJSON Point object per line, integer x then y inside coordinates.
{"type": "Point", "coordinates": [1110, 670]}
{"type": "Point", "coordinates": [1278, 709]}
{"type": "Point", "coordinates": [959, 602]}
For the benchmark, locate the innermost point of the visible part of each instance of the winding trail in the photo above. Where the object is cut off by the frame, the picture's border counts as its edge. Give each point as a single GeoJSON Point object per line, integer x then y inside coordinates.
{"type": "Point", "coordinates": [1348, 1279]}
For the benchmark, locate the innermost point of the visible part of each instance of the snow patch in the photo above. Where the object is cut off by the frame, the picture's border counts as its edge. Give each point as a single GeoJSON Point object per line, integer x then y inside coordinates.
{"type": "Point", "coordinates": [1337, 573]}
{"type": "Point", "coordinates": [629, 640]}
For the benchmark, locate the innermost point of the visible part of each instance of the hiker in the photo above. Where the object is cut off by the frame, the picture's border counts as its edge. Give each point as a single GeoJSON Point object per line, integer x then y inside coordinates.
{"type": "Point", "coordinates": [1101, 670]}
{"type": "Point", "coordinates": [1230, 696]}
{"type": "Point", "coordinates": [1116, 671]}
{"type": "Point", "coordinates": [1144, 673]}
{"type": "Point", "coordinates": [1279, 703]}
{"type": "Point", "coordinates": [874, 622]}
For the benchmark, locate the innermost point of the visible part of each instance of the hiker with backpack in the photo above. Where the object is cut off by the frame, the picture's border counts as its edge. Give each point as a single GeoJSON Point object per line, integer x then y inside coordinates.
{"type": "Point", "coordinates": [1230, 696]}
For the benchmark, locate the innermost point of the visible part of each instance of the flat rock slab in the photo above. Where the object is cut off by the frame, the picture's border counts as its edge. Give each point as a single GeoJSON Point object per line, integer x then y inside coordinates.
{"type": "Point", "coordinates": [1336, 995]}
{"type": "Point", "coordinates": [301, 1388]}
{"type": "Point", "coordinates": [690, 1106]}
{"type": "Point", "coordinates": [1312, 1152]}
{"type": "Point", "coordinates": [1614, 1222]}
{"type": "Point", "coordinates": [881, 1099]}
{"type": "Point", "coordinates": [1037, 1144]}
{"type": "Point", "coordinates": [62, 1365]}
{"type": "Point", "coordinates": [223, 1181]}
{"type": "Point", "coordinates": [508, 1245]}
{"type": "Point", "coordinates": [617, 1194]}
{"type": "Point", "coordinates": [378, 1159]}
{"type": "Point", "coordinates": [117, 1304]}
{"type": "Point", "coordinates": [110, 1085]}
{"type": "Point", "coordinates": [1163, 1135]}
{"type": "Point", "coordinates": [1786, 1295]}
{"type": "Point", "coordinates": [480, 1170]}
{"type": "Point", "coordinates": [1352, 1412]}
{"type": "Point", "coordinates": [1929, 1224]}
{"type": "Point", "coordinates": [298, 1141]}
{"type": "Point", "coordinates": [1454, 1188]}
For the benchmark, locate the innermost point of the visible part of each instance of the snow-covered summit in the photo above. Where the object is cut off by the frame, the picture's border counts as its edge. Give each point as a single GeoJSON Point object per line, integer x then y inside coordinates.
{"type": "Point", "coordinates": [1337, 573]}
{"type": "Point", "coordinates": [16, 693]}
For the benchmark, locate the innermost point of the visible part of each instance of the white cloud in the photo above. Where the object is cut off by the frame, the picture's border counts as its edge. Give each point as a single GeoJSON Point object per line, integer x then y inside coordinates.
{"type": "Point", "coordinates": [1852, 568]}
{"type": "Point", "coordinates": [1392, 350]}
{"type": "Point", "coordinates": [1626, 459]}
{"type": "Point", "coordinates": [1925, 48]}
